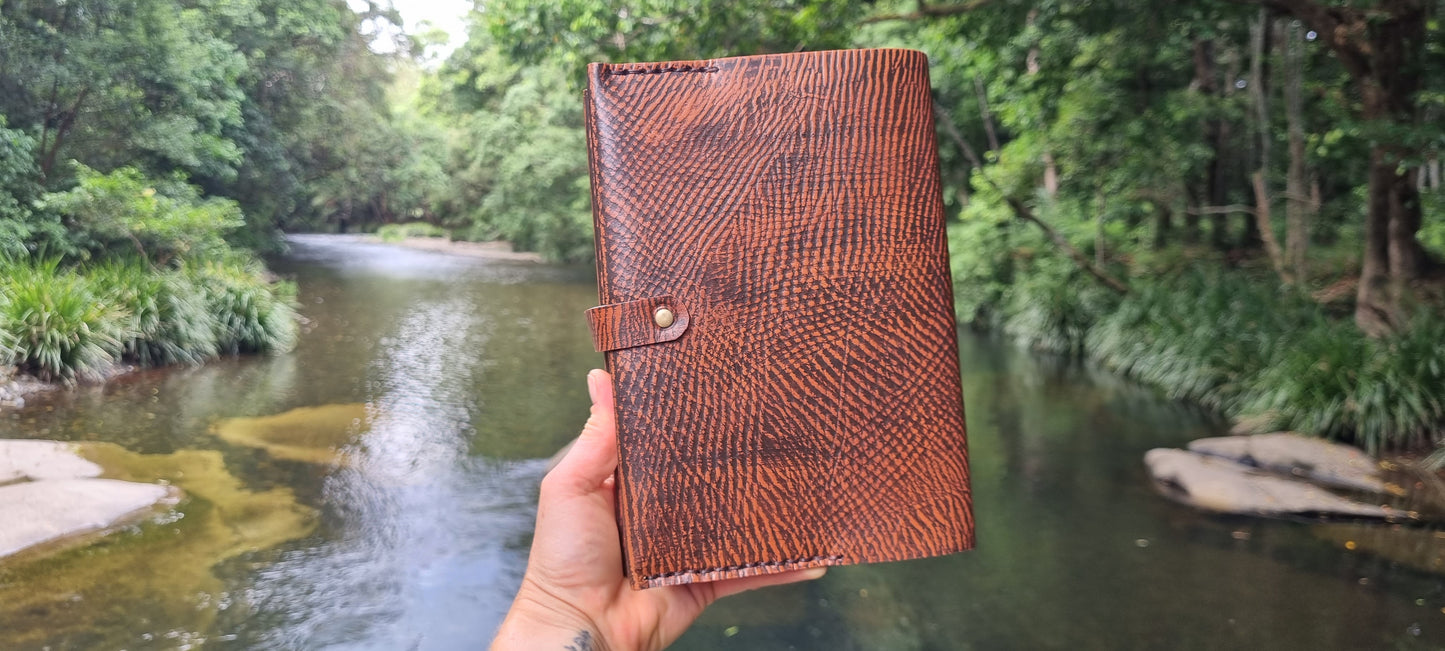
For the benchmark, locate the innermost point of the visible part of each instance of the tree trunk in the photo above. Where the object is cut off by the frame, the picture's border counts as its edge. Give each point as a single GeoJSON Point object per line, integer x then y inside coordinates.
{"type": "Point", "coordinates": [1260, 46]}
{"type": "Point", "coordinates": [1265, 228]}
{"type": "Point", "coordinates": [1051, 175]}
{"type": "Point", "coordinates": [48, 157]}
{"type": "Point", "coordinates": [1259, 86]}
{"type": "Point", "coordinates": [1217, 134]}
{"type": "Point", "coordinates": [1297, 211]}
{"type": "Point", "coordinates": [985, 114]}
{"type": "Point", "coordinates": [1407, 255]}
{"type": "Point", "coordinates": [1381, 47]}
{"type": "Point", "coordinates": [1227, 168]}
{"type": "Point", "coordinates": [1190, 230]}
{"type": "Point", "coordinates": [1375, 307]}
{"type": "Point", "coordinates": [1163, 226]}
{"type": "Point", "coordinates": [1099, 252]}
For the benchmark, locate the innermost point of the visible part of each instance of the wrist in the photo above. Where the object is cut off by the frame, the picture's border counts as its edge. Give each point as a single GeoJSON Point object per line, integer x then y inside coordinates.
{"type": "Point", "coordinates": [539, 620]}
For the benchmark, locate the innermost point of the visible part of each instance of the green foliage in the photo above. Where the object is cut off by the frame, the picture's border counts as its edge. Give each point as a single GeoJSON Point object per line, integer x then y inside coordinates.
{"type": "Point", "coordinates": [1380, 393]}
{"type": "Point", "coordinates": [116, 82]}
{"type": "Point", "coordinates": [399, 232]}
{"type": "Point", "coordinates": [1232, 340]}
{"type": "Point", "coordinates": [519, 161]}
{"type": "Point", "coordinates": [574, 32]}
{"type": "Point", "coordinates": [17, 173]}
{"type": "Point", "coordinates": [166, 316]}
{"type": "Point", "coordinates": [277, 104]}
{"type": "Point", "coordinates": [60, 328]}
{"type": "Point", "coordinates": [1199, 336]}
{"type": "Point", "coordinates": [20, 225]}
{"type": "Point", "coordinates": [67, 323]}
{"type": "Point", "coordinates": [123, 213]}
{"type": "Point", "coordinates": [250, 314]}
{"type": "Point", "coordinates": [1432, 232]}
{"type": "Point", "coordinates": [1278, 359]}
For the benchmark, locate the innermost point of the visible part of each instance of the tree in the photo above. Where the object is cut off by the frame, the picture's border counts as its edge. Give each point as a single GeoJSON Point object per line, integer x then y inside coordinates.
{"type": "Point", "coordinates": [112, 81]}
{"type": "Point", "coordinates": [1381, 45]}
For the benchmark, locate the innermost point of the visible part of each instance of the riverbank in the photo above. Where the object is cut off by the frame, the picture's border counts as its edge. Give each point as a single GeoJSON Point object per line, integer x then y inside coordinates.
{"type": "Point", "coordinates": [61, 325]}
{"type": "Point", "coordinates": [1267, 356]}
{"type": "Point", "coordinates": [15, 389]}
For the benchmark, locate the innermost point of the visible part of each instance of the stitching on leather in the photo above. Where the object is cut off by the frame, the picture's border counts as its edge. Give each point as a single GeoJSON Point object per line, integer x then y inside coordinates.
{"type": "Point", "coordinates": [744, 566]}
{"type": "Point", "coordinates": [609, 72]}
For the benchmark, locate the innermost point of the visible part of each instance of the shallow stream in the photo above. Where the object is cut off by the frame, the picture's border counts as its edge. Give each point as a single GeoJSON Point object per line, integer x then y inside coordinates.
{"type": "Point", "coordinates": [447, 381]}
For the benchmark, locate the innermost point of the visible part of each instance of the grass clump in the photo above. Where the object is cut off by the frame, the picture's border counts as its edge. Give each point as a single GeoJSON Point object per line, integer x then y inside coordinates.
{"type": "Point", "coordinates": [57, 326]}
{"type": "Point", "coordinates": [1379, 393]}
{"type": "Point", "coordinates": [1273, 357]}
{"type": "Point", "coordinates": [63, 323]}
{"type": "Point", "coordinates": [167, 321]}
{"type": "Point", "coordinates": [250, 315]}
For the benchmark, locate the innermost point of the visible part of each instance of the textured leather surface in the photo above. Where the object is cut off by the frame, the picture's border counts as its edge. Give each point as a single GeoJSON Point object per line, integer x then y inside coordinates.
{"type": "Point", "coordinates": [811, 413]}
{"type": "Point", "coordinates": [624, 325]}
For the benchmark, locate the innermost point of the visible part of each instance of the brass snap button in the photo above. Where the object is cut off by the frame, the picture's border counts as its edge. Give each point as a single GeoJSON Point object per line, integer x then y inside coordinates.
{"type": "Point", "coordinates": [663, 317]}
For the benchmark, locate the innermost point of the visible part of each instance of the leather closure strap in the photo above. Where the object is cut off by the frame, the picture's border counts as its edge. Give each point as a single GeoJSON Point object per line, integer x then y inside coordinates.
{"type": "Point", "coordinates": [636, 323]}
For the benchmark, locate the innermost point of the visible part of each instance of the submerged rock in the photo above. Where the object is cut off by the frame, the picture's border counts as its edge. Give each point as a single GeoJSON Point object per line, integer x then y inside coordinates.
{"type": "Point", "coordinates": [311, 434]}
{"type": "Point", "coordinates": [49, 494]}
{"type": "Point", "coordinates": [172, 562]}
{"type": "Point", "coordinates": [1217, 484]}
{"type": "Point", "coordinates": [1317, 460]}
{"type": "Point", "coordinates": [37, 460]}
{"type": "Point", "coordinates": [38, 512]}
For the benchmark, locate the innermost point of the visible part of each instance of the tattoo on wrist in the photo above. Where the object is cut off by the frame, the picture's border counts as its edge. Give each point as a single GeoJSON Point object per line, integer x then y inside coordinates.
{"type": "Point", "coordinates": [583, 642]}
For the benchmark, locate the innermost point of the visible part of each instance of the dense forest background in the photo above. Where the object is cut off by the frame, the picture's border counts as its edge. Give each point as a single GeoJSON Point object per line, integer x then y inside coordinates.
{"type": "Point", "coordinates": [1240, 202]}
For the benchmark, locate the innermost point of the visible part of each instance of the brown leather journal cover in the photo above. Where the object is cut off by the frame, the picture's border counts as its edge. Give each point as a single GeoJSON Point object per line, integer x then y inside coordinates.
{"type": "Point", "coordinates": [777, 313]}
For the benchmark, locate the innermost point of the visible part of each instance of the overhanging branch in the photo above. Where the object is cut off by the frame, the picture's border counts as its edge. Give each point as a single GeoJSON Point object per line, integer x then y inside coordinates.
{"type": "Point", "coordinates": [1022, 212]}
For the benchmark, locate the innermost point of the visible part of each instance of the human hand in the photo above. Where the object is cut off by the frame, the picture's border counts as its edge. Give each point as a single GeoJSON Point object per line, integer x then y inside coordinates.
{"type": "Point", "coordinates": [574, 595]}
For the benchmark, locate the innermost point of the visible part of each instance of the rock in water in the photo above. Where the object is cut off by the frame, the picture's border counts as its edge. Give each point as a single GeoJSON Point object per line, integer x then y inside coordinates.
{"type": "Point", "coordinates": [37, 460]}
{"type": "Point", "coordinates": [323, 434]}
{"type": "Point", "coordinates": [1318, 460]}
{"type": "Point", "coordinates": [37, 512]}
{"type": "Point", "coordinates": [1216, 484]}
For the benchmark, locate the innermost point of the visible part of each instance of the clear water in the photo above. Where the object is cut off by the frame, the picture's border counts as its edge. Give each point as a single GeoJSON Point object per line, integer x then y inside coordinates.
{"type": "Point", "coordinates": [470, 374]}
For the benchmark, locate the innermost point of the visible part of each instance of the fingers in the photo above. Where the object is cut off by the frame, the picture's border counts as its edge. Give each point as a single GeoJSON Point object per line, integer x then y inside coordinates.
{"type": "Point", "coordinates": [733, 586]}
{"type": "Point", "coordinates": [593, 456]}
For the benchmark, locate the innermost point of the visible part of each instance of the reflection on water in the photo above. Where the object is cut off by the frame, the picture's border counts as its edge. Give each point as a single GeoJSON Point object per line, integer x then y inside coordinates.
{"type": "Point", "coordinates": [409, 430]}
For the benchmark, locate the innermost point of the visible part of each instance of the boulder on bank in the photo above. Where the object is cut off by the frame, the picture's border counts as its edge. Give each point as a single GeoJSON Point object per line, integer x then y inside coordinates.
{"type": "Point", "coordinates": [1287, 453]}
{"type": "Point", "coordinates": [1217, 484]}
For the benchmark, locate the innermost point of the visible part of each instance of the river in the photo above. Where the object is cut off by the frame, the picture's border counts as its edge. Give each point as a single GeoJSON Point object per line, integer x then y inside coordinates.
{"type": "Point", "coordinates": [455, 378]}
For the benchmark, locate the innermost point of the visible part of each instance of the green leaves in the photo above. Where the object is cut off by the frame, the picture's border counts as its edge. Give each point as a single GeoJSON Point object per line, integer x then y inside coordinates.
{"type": "Point", "coordinates": [59, 328]}
{"type": "Point", "coordinates": [66, 323]}
{"type": "Point", "coordinates": [572, 33]}
{"type": "Point", "coordinates": [124, 214]}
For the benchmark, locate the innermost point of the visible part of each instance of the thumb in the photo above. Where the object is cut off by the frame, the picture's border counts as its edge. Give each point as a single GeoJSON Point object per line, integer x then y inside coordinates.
{"type": "Point", "coordinates": [593, 456]}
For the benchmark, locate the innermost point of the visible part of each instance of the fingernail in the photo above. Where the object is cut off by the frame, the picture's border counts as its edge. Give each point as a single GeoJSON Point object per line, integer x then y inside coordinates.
{"type": "Point", "coordinates": [814, 573]}
{"type": "Point", "coordinates": [593, 378]}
